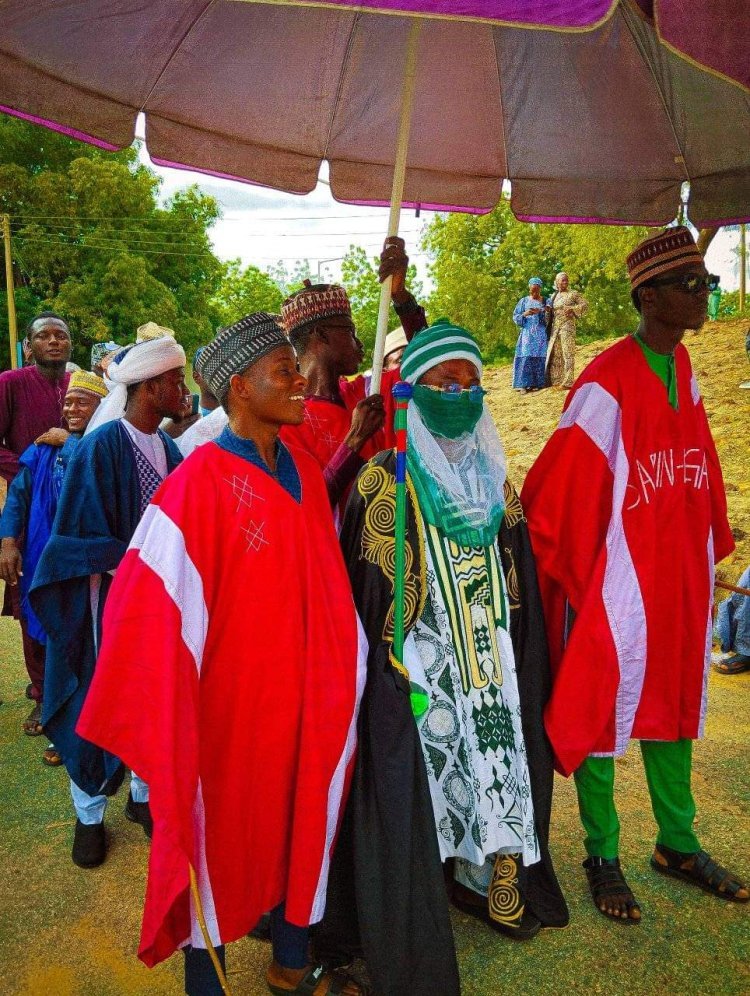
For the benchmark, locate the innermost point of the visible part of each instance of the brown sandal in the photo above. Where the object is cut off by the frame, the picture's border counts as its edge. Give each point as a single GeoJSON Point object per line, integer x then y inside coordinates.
{"type": "Point", "coordinates": [51, 757]}
{"type": "Point", "coordinates": [32, 725]}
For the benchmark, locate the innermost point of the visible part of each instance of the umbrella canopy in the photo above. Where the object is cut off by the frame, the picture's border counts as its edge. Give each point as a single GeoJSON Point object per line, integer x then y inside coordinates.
{"type": "Point", "coordinates": [584, 108]}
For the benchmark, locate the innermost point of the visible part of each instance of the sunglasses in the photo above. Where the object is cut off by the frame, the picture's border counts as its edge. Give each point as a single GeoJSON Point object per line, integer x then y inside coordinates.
{"type": "Point", "coordinates": [454, 391]}
{"type": "Point", "coordinates": [689, 283]}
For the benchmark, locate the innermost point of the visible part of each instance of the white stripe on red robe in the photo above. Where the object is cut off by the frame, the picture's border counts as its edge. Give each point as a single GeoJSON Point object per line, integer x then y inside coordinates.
{"type": "Point", "coordinates": [229, 678]}
{"type": "Point", "coordinates": [627, 515]}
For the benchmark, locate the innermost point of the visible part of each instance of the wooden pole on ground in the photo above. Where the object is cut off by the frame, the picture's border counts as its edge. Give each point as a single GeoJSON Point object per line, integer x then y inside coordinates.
{"type": "Point", "coordinates": [397, 196]}
{"type": "Point", "coordinates": [11, 293]}
{"type": "Point", "coordinates": [743, 266]}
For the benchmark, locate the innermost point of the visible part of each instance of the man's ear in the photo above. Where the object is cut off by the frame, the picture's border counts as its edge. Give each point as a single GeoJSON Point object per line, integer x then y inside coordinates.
{"type": "Point", "coordinates": [647, 296]}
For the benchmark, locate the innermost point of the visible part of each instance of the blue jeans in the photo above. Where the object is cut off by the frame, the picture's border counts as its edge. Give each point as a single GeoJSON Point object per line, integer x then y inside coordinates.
{"type": "Point", "coordinates": [90, 808]}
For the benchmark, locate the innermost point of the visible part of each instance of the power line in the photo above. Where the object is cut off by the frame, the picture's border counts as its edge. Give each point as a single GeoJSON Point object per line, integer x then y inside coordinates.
{"type": "Point", "coordinates": [109, 217]}
{"type": "Point", "coordinates": [158, 252]}
{"type": "Point", "coordinates": [110, 248]}
{"type": "Point", "coordinates": [59, 227]}
{"type": "Point", "coordinates": [136, 246]}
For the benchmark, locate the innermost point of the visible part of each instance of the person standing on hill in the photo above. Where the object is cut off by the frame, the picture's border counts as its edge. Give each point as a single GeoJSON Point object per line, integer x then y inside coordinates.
{"type": "Point", "coordinates": [628, 516]}
{"type": "Point", "coordinates": [531, 348]}
{"type": "Point", "coordinates": [567, 307]}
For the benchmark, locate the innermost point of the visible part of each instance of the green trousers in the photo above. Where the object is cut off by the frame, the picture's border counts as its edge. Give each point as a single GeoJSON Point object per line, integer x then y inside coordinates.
{"type": "Point", "coordinates": [668, 765]}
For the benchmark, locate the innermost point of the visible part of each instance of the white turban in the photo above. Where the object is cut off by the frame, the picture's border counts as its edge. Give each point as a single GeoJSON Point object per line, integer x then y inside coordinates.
{"type": "Point", "coordinates": [133, 365]}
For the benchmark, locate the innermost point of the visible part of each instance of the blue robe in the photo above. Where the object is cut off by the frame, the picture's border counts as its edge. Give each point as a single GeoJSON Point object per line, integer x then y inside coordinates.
{"type": "Point", "coordinates": [30, 510]}
{"type": "Point", "coordinates": [531, 348]}
{"type": "Point", "coordinates": [98, 512]}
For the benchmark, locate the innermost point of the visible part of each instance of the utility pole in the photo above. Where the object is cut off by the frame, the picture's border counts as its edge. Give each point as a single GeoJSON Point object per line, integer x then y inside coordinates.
{"type": "Point", "coordinates": [11, 294]}
{"type": "Point", "coordinates": [743, 267]}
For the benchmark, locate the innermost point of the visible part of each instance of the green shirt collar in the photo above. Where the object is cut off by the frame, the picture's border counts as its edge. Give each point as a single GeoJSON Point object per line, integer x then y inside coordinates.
{"type": "Point", "coordinates": [664, 368]}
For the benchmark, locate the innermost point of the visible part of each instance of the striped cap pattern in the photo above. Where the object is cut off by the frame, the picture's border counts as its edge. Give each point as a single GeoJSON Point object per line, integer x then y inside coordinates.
{"type": "Point", "coordinates": [668, 250]}
{"type": "Point", "coordinates": [237, 347]}
{"type": "Point", "coordinates": [439, 342]}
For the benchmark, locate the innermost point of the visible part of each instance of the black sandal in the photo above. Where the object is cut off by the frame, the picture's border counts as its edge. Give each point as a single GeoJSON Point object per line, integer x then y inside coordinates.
{"type": "Point", "coordinates": [606, 879]}
{"type": "Point", "coordinates": [703, 872]}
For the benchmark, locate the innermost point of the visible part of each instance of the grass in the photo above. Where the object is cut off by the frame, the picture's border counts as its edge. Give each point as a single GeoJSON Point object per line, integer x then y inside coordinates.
{"type": "Point", "coordinates": [68, 932]}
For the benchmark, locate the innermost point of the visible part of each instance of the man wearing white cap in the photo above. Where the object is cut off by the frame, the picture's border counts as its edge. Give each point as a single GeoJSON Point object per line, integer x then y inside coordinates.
{"type": "Point", "coordinates": [395, 344]}
{"type": "Point", "coordinates": [111, 478]}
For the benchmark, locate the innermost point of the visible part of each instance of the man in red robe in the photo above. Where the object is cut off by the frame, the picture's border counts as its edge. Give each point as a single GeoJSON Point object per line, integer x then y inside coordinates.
{"type": "Point", "coordinates": [343, 426]}
{"type": "Point", "coordinates": [627, 513]}
{"type": "Point", "coordinates": [31, 402]}
{"type": "Point", "coordinates": [229, 683]}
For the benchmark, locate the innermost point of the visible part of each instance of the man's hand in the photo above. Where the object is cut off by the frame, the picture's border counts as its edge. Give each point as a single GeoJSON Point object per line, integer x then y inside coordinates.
{"type": "Point", "coordinates": [177, 426]}
{"type": "Point", "coordinates": [10, 561]}
{"type": "Point", "coordinates": [531, 311]}
{"type": "Point", "coordinates": [367, 418]}
{"type": "Point", "coordinates": [53, 437]}
{"type": "Point", "coordinates": [393, 263]}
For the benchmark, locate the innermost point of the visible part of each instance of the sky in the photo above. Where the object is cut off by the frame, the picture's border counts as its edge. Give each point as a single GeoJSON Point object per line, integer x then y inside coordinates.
{"type": "Point", "coordinates": [262, 226]}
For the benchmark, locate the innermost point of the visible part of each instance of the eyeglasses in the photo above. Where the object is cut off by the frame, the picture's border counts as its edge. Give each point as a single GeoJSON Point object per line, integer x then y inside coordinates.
{"type": "Point", "coordinates": [454, 391]}
{"type": "Point", "coordinates": [689, 283]}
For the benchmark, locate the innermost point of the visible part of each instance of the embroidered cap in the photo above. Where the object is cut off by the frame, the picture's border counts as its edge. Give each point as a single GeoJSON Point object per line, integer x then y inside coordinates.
{"type": "Point", "coordinates": [237, 347]}
{"type": "Point", "coordinates": [82, 380]}
{"type": "Point", "coordinates": [149, 331]}
{"type": "Point", "coordinates": [313, 303]}
{"type": "Point", "coordinates": [669, 250]}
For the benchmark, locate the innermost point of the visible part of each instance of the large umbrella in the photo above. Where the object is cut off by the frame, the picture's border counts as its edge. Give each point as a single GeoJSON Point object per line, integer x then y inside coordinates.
{"type": "Point", "coordinates": [585, 105]}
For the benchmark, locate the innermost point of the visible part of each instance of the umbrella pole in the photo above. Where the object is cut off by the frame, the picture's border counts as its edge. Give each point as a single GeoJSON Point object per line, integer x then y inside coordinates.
{"type": "Point", "coordinates": [418, 697]}
{"type": "Point", "coordinates": [397, 195]}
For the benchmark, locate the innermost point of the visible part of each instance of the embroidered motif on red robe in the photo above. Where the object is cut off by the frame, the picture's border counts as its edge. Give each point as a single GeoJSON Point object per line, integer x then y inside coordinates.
{"type": "Point", "coordinates": [627, 514]}
{"type": "Point", "coordinates": [229, 679]}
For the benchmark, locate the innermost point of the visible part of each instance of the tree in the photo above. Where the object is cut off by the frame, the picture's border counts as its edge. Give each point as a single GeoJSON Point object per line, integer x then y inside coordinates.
{"type": "Point", "coordinates": [360, 278]}
{"type": "Point", "coordinates": [241, 292]}
{"type": "Point", "coordinates": [91, 241]}
{"type": "Point", "coordinates": [481, 266]}
{"type": "Point", "coordinates": [290, 279]}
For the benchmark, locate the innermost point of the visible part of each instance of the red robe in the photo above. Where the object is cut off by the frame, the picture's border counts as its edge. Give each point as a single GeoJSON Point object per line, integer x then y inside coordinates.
{"type": "Point", "coordinates": [228, 678]}
{"type": "Point", "coordinates": [326, 424]}
{"type": "Point", "coordinates": [627, 514]}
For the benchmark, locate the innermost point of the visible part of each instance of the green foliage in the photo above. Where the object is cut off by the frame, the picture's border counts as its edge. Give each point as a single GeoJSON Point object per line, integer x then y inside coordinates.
{"type": "Point", "coordinates": [360, 277]}
{"type": "Point", "coordinates": [729, 306]}
{"type": "Point", "coordinates": [243, 291]}
{"type": "Point", "coordinates": [290, 279]}
{"type": "Point", "coordinates": [91, 241]}
{"type": "Point", "coordinates": [481, 266]}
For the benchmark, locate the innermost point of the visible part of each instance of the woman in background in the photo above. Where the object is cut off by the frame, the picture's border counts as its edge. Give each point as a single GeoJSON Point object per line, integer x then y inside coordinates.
{"type": "Point", "coordinates": [531, 348]}
{"type": "Point", "coordinates": [567, 307]}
